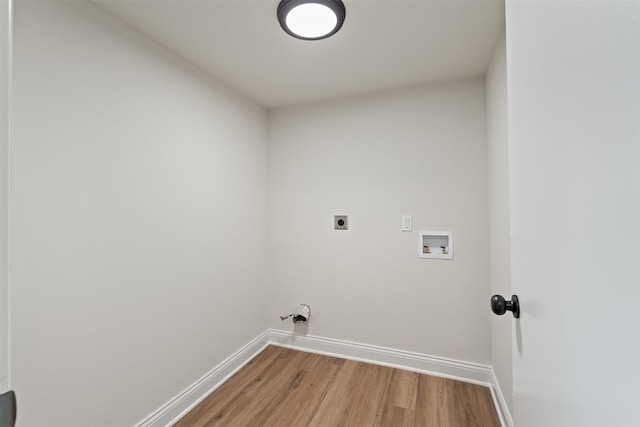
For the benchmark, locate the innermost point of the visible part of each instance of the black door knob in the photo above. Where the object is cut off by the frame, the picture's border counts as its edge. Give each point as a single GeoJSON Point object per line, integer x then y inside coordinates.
{"type": "Point", "coordinates": [500, 306]}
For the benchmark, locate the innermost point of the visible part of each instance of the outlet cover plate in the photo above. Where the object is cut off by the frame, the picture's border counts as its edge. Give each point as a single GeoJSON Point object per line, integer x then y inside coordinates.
{"type": "Point", "coordinates": [341, 222]}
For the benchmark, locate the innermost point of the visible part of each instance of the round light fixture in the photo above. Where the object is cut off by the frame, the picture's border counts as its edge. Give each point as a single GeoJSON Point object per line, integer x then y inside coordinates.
{"type": "Point", "coordinates": [311, 19]}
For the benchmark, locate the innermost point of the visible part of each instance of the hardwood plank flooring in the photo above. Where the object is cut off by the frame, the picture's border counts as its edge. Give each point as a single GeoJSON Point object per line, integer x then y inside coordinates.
{"type": "Point", "coordinates": [282, 387]}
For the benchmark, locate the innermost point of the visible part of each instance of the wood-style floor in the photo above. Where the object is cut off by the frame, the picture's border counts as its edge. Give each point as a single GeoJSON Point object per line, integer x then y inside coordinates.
{"type": "Point", "coordinates": [283, 387]}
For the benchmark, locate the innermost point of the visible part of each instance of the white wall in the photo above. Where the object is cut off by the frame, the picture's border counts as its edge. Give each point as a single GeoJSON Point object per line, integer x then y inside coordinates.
{"type": "Point", "coordinates": [139, 220]}
{"type": "Point", "coordinates": [5, 67]}
{"type": "Point", "coordinates": [419, 151]}
{"type": "Point", "coordinates": [499, 222]}
{"type": "Point", "coordinates": [574, 141]}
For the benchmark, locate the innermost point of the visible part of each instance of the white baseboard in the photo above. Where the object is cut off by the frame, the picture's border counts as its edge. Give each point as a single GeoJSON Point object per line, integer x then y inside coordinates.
{"type": "Point", "coordinates": [499, 402]}
{"type": "Point", "coordinates": [176, 408]}
{"type": "Point", "coordinates": [432, 365]}
{"type": "Point", "coordinates": [472, 373]}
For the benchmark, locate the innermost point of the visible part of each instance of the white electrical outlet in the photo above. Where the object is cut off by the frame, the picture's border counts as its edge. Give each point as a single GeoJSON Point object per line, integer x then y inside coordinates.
{"type": "Point", "coordinates": [407, 223]}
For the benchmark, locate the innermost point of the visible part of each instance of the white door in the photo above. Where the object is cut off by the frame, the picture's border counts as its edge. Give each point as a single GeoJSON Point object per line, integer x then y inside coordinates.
{"type": "Point", "coordinates": [573, 95]}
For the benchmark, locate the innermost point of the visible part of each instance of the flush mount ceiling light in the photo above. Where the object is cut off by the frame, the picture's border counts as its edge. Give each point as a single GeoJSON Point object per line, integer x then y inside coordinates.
{"type": "Point", "coordinates": [311, 19]}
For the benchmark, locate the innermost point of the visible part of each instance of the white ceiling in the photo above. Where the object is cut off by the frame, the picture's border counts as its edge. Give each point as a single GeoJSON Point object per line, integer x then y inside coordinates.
{"type": "Point", "coordinates": [384, 44]}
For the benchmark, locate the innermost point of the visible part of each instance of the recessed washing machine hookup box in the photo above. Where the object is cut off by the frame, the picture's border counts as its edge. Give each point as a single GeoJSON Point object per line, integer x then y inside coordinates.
{"type": "Point", "coordinates": [435, 244]}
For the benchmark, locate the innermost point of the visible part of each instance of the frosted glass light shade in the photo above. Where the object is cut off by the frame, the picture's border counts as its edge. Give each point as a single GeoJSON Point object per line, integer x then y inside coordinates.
{"type": "Point", "coordinates": [311, 19]}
